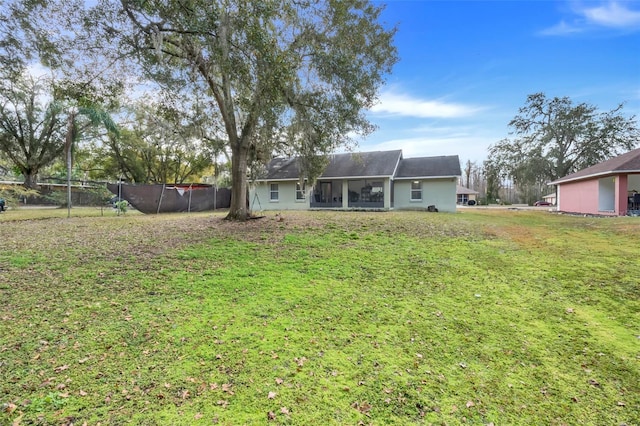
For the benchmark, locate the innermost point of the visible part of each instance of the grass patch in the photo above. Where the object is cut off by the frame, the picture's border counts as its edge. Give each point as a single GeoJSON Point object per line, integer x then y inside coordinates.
{"type": "Point", "coordinates": [41, 213]}
{"type": "Point", "coordinates": [324, 318]}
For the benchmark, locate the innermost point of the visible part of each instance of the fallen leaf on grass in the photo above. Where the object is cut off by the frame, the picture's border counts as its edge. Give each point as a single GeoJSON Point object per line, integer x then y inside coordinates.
{"type": "Point", "coordinates": [271, 395]}
{"type": "Point", "coordinates": [470, 404]}
{"type": "Point", "coordinates": [271, 415]}
{"type": "Point", "coordinates": [284, 410]}
{"type": "Point", "coordinates": [82, 393]}
{"type": "Point", "coordinates": [198, 416]}
{"type": "Point", "coordinates": [363, 407]}
{"type": "Point", "coordinates": [223, 403]}
{"type": "Point", "coordinates": [279, 381]}
{"type": "Point", "coordinates": [9, 408]}
{"type": "Point", "coordinates": [61, 368]}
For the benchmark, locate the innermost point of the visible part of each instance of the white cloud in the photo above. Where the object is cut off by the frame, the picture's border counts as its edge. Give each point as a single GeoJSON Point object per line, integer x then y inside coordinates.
{"type": "Point", "coordinates": [612, 14]}
{"type": "Point", "coordinates": [609, 14]}
{"type": "Point", "coordinates": [562, 28]}
{"type": "Point", "coordinates": [404, 105]}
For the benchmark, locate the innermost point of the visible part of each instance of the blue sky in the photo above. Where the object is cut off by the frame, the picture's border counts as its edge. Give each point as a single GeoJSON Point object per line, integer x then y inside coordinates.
{"type": "Point", "coordinates": [467, 66]}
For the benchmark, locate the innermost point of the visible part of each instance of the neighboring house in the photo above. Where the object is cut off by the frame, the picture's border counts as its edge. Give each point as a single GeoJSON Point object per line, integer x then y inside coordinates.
{"type": "Point", "coordinates": [606, 188]}
{"type": "Point", "coordinates": [550, 198]}
{"type": "Point", "coordinates": [465, 195]}
{"type": "Point", "coordinates": [380, 180]}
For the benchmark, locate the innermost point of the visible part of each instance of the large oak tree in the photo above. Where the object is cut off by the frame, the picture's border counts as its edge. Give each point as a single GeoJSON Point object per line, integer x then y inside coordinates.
{"type": "Point", "coordinates": [554, 137]}
{"type": "Point", "coordinates": [161, 145]}
{"type": "Point", "coordinates": [52, 86]}
{"type": "Point", "coordinates": [32, 125]}
{"type": "Point", "coordinates": [283, 76]}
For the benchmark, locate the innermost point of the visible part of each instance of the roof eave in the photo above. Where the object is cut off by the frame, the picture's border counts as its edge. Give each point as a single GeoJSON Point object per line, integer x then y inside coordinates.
{"type": "Point", "coordinates": [593, 175]}
{"type": "Point", "coordinates": [357, 177]}
{"type": "Point", "coordinates": [277, 179]}
{"type": "Point", "coordinates": [426, 177]}
{"type": "Point", "coordinates": [325, 177]}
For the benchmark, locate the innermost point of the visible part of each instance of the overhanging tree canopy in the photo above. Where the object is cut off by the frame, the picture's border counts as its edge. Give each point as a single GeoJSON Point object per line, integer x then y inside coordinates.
{"type": "Point", "coordinates": [281, 76]}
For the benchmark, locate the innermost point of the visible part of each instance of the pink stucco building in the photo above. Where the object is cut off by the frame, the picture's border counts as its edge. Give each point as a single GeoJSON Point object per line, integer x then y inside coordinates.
{"type": "Point", "coordinates": [608, 188]}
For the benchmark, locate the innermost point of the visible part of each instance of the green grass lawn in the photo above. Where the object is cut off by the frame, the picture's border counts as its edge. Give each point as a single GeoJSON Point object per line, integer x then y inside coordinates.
{"type": "Point", "coordinates": [482, 317]}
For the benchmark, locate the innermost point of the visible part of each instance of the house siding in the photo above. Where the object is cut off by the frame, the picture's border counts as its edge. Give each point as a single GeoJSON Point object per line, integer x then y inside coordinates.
{"type": "Point", "coordinates": [438, 192]}
{"type": "Point", "coordinates": [259, 197]}
{"type": "Point", "coordinates": [579, 197]}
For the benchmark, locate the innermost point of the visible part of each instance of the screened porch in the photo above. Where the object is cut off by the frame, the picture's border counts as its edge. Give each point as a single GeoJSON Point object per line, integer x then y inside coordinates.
{"type": "Point", "coordinates": [357, 193]}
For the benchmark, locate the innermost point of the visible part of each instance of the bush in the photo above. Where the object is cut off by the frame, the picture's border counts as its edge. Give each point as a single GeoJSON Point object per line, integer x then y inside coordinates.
{"type": "Point", "coordinates": [13, 194]}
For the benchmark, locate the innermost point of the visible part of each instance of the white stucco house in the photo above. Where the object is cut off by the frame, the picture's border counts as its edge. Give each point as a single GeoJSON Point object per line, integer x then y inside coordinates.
{"type": "Point", "coordinates": [380, 180]}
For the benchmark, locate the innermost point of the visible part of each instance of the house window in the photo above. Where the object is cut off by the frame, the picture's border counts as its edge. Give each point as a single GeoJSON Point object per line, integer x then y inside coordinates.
{"type": "Point", "coordinates": [463, 198]}
{"type": "Point", "coordinates": [273, 192]}
{"type": "Point", "coordinates": [416, 190]}
{"type": "Point", "coordinates": [301, 192]}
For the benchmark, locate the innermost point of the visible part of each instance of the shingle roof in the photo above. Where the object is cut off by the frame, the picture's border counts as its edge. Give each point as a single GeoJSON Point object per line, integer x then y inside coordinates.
{"type": "Point", "coordinates": [429, 167]}
{"type": "Point", "coordinates": [349, 165]}
{"type": "Point", "coordinates": [282, 169]}
{"type": "Point", "coordinates": [370, 164]}
{"type": "Point", "coordinates": [363, 164]}
{"type": "Point", "coordinates": [629, 162]}
{"type": "Point", "coordinates": [464, 190]}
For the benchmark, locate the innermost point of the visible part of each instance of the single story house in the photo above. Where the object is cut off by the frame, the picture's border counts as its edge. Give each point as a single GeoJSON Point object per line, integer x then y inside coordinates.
{"type": "Point", "coordinates": [465, 195]}
{"type": "Point", "coordinates": [381, 180]}
{"type": "Point", "coordinates": [607, 188]}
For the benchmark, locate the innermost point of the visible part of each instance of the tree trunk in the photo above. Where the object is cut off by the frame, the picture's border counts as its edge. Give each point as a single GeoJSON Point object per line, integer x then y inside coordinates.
{"type": "Point", "coordinates": [238, 209]}
{"type": "Point", "coordinates": [30, 179]}
{"type": "Point", "coordinates": [67, 147]}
